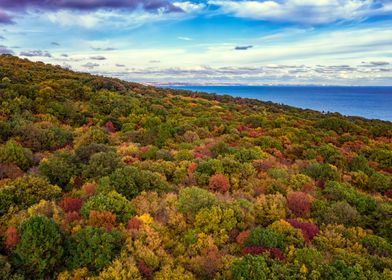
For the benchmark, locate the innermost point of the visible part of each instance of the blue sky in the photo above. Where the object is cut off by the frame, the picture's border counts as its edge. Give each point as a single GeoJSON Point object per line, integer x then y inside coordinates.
{"type": "Point", "coordinates": [328, 42]}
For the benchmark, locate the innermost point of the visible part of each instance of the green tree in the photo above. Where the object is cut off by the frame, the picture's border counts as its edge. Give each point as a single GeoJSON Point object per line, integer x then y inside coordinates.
{"type": "Point", "coordinates": [40, 250]}
{"type": "Point", "coordinates": [102, 164]}
{"type": "Point", "coordinates": [322, 171]}
{"type": "Point", "coordinates": [28, 190]}
{"type": "Point", "coordinates": [130, 181]}
{"type": "Point", "coordinates": [340, 213]}
{"type": "Point", "coordinates": [264, 237]}
{"type": "Point", "coordinates": [84, 152]}
{"type": "Point", "coordinates": [250, 268]}
{"type": "Point", "coordinates": [112, 202]}
{"type": "Point", "coordinates": [192, 199]}
{"type": "Point", "coordinates": [59, 168]}
{"type": "Point", "coordinates": [93, 248]}
{"type": "Point", "coordinates": [12, 152]}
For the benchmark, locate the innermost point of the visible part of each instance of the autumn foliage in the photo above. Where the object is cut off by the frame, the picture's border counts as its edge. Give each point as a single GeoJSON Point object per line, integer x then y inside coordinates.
{"type": "Point", "coordinates": [103, 219]}
{"type": "Point", "coordinates": [12, 238]}
{"type": "Point", "coordinates": [106, 179]}
{"type": "Point", "coordinates": [69, 204]}
{"type": "Point", "coordinates": [219, 183]}
{"type": "Point", "coordinates": [299, 204]}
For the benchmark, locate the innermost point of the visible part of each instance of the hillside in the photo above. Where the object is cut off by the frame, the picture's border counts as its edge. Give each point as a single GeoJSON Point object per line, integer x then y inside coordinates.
{"type": "Point", "coordinates": [106, 179]}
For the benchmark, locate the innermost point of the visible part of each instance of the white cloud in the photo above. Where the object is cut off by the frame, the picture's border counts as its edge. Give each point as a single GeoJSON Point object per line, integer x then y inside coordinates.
{"type": "Point", "coordinates": [302, 11]}
{"type": "Point", "coordinates": [185, 38]}
{"type": "Point", "coordinates": [190, 7]}
{"type": "Point", "coordinates": [71, 18]}
{"type": "Point", "coordinates": [118, 18]}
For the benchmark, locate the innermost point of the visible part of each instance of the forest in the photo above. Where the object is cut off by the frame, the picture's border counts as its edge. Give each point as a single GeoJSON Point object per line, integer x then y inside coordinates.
{"type": "Point", "coordinates": [106, 179]}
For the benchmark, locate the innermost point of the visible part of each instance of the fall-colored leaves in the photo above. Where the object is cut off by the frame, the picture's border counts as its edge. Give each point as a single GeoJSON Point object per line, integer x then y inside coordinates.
{"type": "Point", "coordinates": [106, 179]}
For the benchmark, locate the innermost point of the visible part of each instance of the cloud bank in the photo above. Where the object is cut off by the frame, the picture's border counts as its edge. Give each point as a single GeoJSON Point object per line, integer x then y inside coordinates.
{"type": "Point", "coordinates": [148, 5]}
{"type": "Point", "coordinates": [303, 11]}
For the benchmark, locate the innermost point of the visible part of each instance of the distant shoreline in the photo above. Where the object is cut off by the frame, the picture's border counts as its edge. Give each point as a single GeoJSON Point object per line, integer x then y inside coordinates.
{"type": "Point", "coordinates": [371, 102]}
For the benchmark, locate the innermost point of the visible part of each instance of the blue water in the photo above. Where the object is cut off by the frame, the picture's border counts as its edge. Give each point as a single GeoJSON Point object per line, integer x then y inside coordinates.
{"type": "Point", "coordinates": [368, 102]}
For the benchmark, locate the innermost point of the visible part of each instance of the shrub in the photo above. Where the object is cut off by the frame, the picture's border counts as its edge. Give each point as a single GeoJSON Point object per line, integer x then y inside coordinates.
{"type": "Point", "coordinates": [93, 248]}
{"type": "Point", "coordinates": [219, 182]}
{"type": "Point", "coordinates": [40, 249]}
{"type": "Point", "coordinates": [299, 204]}
{"type": "Point", "coordinates": [264, 237]}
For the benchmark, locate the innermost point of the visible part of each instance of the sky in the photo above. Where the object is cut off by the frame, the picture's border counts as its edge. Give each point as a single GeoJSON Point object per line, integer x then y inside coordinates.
{"type": "Point", "coordinates": [214, 42]}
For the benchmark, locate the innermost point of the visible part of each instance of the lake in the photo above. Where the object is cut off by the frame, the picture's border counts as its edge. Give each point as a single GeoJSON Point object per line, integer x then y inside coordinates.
{"type": "Point", "coordinates": [368, 102]}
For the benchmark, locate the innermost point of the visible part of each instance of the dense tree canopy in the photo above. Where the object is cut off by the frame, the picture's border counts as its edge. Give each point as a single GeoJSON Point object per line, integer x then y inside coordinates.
{"type": "Point", "coordinates": [106, 179]}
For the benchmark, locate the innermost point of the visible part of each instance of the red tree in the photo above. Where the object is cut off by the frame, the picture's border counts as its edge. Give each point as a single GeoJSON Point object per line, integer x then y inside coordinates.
{"type": "Point", "coordinates": [134, 224]}
{"type": "Point", "coordinates": [103, 219]}
{"type": "Point", "coordinates": [69, 204]}
{"type": "Point", "coordinates": [308, 230]}
{"type": "Point", "coordinates": [144, 269]}
{"type": "Point", "coordinates": [70, 217]}
{"type": "Point", "coordinates": [219, 182]}
{"type": "Point", "coordinates": [299, 204]}
{"type": "Point", "coordinates": [12, 238]}
{"type": "Point", "coordinates": [110, 127]}
{"type": "Point", "coordinates": [242, 236]}
{"type": "Point", "coordinates": [89, 189]}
